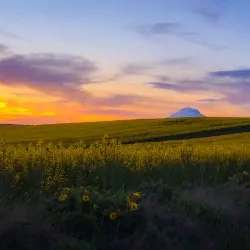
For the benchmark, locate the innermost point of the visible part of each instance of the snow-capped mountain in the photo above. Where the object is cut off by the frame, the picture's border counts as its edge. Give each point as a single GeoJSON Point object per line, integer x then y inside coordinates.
{"type": "Point", "coordinates": [187, 112]}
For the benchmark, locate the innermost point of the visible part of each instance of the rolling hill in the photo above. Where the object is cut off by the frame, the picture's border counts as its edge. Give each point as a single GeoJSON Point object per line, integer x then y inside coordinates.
{"type": "Point", "coordinates": [194, 130]}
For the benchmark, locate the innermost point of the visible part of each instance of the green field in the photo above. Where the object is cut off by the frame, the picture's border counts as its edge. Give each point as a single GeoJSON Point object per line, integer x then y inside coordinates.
{"type": "Point", "coordinates": [175, 184]}
{"type": "Point", "coordinates": [223, 130]}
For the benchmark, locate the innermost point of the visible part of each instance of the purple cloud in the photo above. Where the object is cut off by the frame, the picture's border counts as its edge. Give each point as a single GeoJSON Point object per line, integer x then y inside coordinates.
{"type": "Point", "coordinates": [239, 97]}
{"type": "Point", "coordinates": [238, 73]}
{"type": "Point", "coordinates": [236, 97]}
{"type": "Point", "coordinates": [60, 75]}
{"type": "Point", "coordinates": [235, 90]}
{"type": "Point", "coordinates": [49, 73]}
{"type": "Point", "coordinates": [45, 68]}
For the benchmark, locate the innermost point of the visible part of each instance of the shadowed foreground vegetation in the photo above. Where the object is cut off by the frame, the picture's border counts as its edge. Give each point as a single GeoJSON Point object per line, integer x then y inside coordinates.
{"type": "Point", "coordinates": [114, 196]}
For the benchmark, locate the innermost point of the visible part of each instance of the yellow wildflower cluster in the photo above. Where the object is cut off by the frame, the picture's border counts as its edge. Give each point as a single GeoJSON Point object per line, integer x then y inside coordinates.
{"type": "Point", "coordinates": [131, 203]}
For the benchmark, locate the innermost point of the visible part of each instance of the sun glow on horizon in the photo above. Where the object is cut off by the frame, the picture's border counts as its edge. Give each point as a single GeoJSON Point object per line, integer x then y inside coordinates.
{"type": "Point", "coordinates": [39, 108]}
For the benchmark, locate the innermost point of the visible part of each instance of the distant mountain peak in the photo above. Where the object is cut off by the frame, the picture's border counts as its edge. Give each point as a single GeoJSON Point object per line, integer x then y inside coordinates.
{"type": "Point", "coordinates": [187, 112]}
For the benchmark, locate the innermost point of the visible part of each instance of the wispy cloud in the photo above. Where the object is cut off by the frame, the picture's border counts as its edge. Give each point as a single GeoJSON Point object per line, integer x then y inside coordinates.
{"type": "Point", "coordinates": [235, 97]}
{"type": "Point", "coordinates": [175, 29]}
{"type": "Point", "coordinates": [209, 15]}
{"type": "Point", "coordinates": [197, 39]}
{"type": "Point", "coordinates": [211, 10]}
{"type": "Point", "coordinates": [182, 86]}
{"type": "Point", "coordinates": [179, 61]}
{"type": "Point", "coordinates": [234, 85]}
{"type": "Point", "coordinates": [211, 100]}
{"type": "Point", "coordinates": [116, 100]}
{"type": "Point", "coordinates": [12, 35]}
{"type": "Point", "coordinates": [158, 28]}
{"type": "Point", "coordinates": [143, 68]}
{"type": "Point", "coordinates": [114, 112]}
{"type": "Point", "coordinates": [137, 69]}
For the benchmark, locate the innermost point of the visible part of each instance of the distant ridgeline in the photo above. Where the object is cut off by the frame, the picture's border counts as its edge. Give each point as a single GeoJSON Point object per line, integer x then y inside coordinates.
{"type": "Point", "coordinates": [9, 124]}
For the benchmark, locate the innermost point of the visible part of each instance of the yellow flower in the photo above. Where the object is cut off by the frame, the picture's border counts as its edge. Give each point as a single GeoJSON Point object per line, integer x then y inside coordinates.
{"type": "Point", "coordinates": [85, 198]}
{"type": "Point", "coordinates": [133, 206]}
{"type": "Point", "coordinates": [137, 194]}
{"type": "Point", "coordinates": [63, 197]}
{"type": "Point", "coordinates": [112, 215]}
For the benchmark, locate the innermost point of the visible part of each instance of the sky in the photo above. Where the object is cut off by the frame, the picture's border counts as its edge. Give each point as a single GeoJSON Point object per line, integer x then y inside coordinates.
{"type": "Point", "coordinates": [96, 60]}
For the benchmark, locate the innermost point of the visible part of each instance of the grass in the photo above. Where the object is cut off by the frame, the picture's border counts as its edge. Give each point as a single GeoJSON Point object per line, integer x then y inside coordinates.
{"type": "Point", "coordinates": [106, 195]}
{"type": "Point", "coordinates": [135, 131]}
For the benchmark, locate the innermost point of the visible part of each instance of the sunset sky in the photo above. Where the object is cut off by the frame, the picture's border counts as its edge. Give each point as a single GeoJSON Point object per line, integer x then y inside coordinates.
{"type": "Point", "coordinates": [95, 60]}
